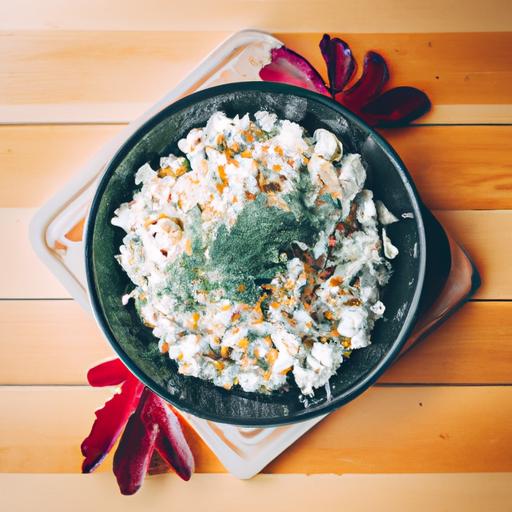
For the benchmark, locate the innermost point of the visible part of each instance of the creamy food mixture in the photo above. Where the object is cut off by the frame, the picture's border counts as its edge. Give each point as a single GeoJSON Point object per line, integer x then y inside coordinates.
{"type": "Point", "coordinates": [257, 255]}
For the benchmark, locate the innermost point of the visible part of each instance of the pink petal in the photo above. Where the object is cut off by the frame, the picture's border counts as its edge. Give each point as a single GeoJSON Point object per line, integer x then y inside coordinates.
{"type": "Point", "coordinates": [372, 81]}
{"type": "Point", "coordinates": [109, 373]}
{"type": "Point", "coordinates": [132, 457]}
{"type": "Point", "coordinates": [110, 420]}
{"type": "Point", "coordinates": [397, 106]}
{"type": "Point", "coordinates": [170, 442]}
{"type": "Point", "coordinates": [339, 60]}
{"type": "Point", "coordinates": [289, 67]}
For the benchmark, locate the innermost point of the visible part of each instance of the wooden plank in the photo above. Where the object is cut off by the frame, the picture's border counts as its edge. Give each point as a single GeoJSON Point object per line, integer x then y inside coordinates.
{"type": "Point", "coordinates": [60, 150]}
{"type": "Point", "coordinates": [389, 493]}
{"type": "Point", "coordinates": [456, 167]}
{"type": "Point", "coordinates": [22, 273]}
{"type": "Point", "coordinates": [281, 15]}
{"type": "Point", "coordinates": [465, 114]}
{"type": "Point", "coordinates": [35, 334]}
{"type": "Point", "coordinates": [485, 234]}
{"type": "Point", "coordinates": [387, 430]}
{"type": "Point", "coordinates": [96, 69]}
{"type": "Point", "coordinates": [50, 77]}
{"type": "Point", "coordinates": [473, 346]}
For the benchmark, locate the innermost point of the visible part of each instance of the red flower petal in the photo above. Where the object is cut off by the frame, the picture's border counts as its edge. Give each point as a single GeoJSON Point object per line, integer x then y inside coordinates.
{"type": "Point", "coordinates": [372, 81]}
{"type": "Point", "coordinates": [339, 60]}
{"type": "Point", "coordinates": [135, 449]}
{"type": "Point", "coordinates": [109, 373]}
{"type": "Point", "coordinates": [110, 420]}
{"type": "Point", "coordinates": [400, 105]}
{"type": "Point", "coordinates": [289, 67]}
{"type": "Point", "coordinates": [170, 442]}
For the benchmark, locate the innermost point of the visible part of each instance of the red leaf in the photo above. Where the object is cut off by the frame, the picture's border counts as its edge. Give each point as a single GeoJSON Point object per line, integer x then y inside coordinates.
{"type": "Point", "coordinates": [170, 442]}
{"type": "Point", "coordinates": [291, 68]}
{"type": "Point", "coordinates": [110, 420]}
{"type": "Point", "coordinates": [339, 60]}
{"type": "Point", "coordinates": [397, 106]}
{"type": "Point", "coordinates": [109, 373]}
{"type": "Point", "coordinates": [135, 449]}
{"type": "Point", "coordinates": [370, 85]}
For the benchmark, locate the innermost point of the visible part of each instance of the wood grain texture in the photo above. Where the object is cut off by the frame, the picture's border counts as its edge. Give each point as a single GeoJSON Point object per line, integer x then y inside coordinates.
{"type": "Point", "coordinates": [280, 15]}
{"type": "Point", "coordinates": [35, 334]}
{"type": "Point", "coordinates": [76, 68]}
{"type": "Point", "coordinates": [389, 493]}
{"type": "Point", "coordinates": [485, 234]}
{"type": "Point", "coordinates": [456, 167]}
{"type": "Point", "coordinates": [473, 346]}
{"type": "Point", "coordinates": [49, 76]}
{"type": "Point", "coordinates": [387, 430]}
{"type": "Point", "coordinates": [22, 273]}
{"type": "Point", "coordinates": [44, 158]}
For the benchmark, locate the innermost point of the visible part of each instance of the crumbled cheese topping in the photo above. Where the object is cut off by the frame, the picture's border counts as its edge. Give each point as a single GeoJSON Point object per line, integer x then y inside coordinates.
{"type": "Point", "coordinates": [256, 254]}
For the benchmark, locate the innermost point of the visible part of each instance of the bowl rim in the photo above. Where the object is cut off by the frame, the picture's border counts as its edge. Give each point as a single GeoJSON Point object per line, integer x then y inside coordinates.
{"type": "Point", "coordinates": [408, 322]}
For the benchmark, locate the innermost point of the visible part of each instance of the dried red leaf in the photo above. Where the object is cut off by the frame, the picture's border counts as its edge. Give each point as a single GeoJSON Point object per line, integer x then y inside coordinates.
{"type": "Point", "coordinates": [397, 106]}
{"type": "Point", "coordinates": [370, 84]}
{"type": "Point", "coordinates": [339, 60]}
{"type": "Point", "coordinates": [109, 373]}
{"type": "Point", "coordinates": [170, 442]}
{"type": "Point", "coordinates": [291, 68]}
{"type": "Point", "coordinates": [110, 420]}
{"type": "Point", "coordinates": [132, 457]}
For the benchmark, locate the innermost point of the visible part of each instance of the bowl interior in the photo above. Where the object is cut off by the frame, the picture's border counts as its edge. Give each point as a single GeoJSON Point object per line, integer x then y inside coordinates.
{"type": "Point", "coordinates": [135, 343]}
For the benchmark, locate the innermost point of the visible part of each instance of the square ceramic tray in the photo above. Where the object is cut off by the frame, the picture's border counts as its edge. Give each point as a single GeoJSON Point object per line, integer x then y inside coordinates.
{"type": "Point", "coordinates": [56, 235]}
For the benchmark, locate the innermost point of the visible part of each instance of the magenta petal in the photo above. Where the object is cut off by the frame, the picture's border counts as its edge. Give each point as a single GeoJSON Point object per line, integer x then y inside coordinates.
{"type": "Point", "coordinates": [170, 442]}
{"type": "Point", "coordinates": [369, 86]}
{"type": "Point", "coordinates": [110, 420]}
{"type": "Point", "coordinates": [339, 60]}
{"type": "Point", "coordinates": [133, 455]}
{"type": "Point", "coordinates": [397, 106]}
{"type": "Point", "coordinates": [109, 373]}
{"type": "Point", "coordinates": [291, 68]}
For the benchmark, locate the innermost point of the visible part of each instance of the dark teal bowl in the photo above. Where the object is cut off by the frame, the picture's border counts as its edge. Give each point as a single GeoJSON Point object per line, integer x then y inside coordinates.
{"type": "Point", "coordinates": [135, 344]}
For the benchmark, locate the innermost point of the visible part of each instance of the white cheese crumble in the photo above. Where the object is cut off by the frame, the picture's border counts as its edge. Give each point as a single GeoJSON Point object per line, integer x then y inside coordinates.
{"type": "Point", "coordinates": [307, 296]}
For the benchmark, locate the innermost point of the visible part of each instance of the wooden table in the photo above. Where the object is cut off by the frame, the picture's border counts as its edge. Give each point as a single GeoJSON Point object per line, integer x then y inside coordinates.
{"type": "Point", "coordinates": [436, 431]}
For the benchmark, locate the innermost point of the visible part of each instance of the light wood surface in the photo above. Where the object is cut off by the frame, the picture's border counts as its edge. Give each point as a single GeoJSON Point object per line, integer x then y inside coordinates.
{"type": "Point", "coordinates": [272, 15]}
{"type": "Point", "coordinates": [109, 79]}
{"type": "Point", "coordinates": [36, 333]}
{"type": "Point", "coordinates": [422, 493]}
{"type": "Point", "coordinates": [418, 429]}
{"type": "Point", "coordinates": [357, 493]}
{"type": "Point", "coordinates": [22, 273]}
{"type": "Point", "coordinates": [487, 236]}
{"type": "Point", "coordinates": [73, 73]}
